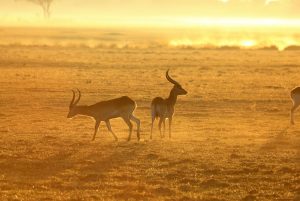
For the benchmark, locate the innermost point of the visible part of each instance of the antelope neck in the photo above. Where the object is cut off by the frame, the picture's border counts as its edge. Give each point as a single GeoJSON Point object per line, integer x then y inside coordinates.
{"type": "Point", "coordinates": [84, 110]}
{"type": "Point", "coordinates": [172, 98]}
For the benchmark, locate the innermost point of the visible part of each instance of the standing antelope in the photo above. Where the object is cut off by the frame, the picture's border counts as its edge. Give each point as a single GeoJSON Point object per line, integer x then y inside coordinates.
{"type": "Point", "coordinates": [105, 110]}
{"type": "Point", "coordinates": [295, 95]}
{"type": "Point", "coordinates": [164, 108]}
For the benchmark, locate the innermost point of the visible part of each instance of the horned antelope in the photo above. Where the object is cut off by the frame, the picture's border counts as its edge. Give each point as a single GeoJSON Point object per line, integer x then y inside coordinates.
{"type": "Point", "coordinates": [105, 110]}
{"type": "Point", "coordinates": [295, 95]}
{"type": "Point", "coordinates": [164, 108]}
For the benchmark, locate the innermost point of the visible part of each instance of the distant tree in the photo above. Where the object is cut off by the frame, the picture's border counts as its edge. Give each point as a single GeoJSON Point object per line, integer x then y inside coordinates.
{"type": "Point", "coordinates": [45, 4]}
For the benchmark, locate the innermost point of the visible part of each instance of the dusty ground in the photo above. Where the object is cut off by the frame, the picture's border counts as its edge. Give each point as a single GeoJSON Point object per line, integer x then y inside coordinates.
{"type": "Point", "coordinates": [232, 139]}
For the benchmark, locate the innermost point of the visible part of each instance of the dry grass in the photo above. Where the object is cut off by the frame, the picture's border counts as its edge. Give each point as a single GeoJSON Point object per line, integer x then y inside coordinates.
{"type": "Point", "coordinates": [232, 139]}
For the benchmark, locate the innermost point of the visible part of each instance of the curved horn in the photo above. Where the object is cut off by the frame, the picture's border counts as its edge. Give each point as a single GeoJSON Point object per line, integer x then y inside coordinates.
{"type": "Point", "coordinates": [170, 79]}
{"type": "Point", "coordinates": [78, 97]}
{"type": "Point", "coordinates": [72, 101]}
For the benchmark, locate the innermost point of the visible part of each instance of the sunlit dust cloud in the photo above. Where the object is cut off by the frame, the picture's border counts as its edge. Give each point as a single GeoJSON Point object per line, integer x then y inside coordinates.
{"type": "Point", "coordinates": [279, 43]}
{"type": "Point", "coordinates": [211, 38]}
{"type": "Point", "coordinates": [248, 43]}
{"type": "Point", "coordinates": [247, 38]}
{"type": "Point", "coordinates": [247, 24]}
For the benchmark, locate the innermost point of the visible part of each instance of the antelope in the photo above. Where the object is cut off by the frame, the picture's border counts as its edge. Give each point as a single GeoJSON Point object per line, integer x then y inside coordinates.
{"type": "Point", "coordinates": [164, 108]}
{"type": "Point", "coordinates": [105, 110]}
{"type": "Point", "coordinates": [295, 95]}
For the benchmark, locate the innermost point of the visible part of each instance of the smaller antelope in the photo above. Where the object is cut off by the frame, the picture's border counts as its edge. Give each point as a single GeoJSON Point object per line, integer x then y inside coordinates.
{"type": "Point", "coordinates": [105, 110]}
{"type": "Point", "coordinates": [295, 95]}
{"type": "Point", "coordinates": [164, 108]}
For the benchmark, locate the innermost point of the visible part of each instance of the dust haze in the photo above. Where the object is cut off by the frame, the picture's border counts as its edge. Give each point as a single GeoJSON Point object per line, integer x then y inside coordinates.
{"type": "Point", "coordinates": [231, 134]}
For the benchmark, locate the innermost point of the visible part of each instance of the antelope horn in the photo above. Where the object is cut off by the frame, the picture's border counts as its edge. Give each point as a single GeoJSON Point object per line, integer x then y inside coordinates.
{"type": "Point", "coordinates": [72, 101]}
{"type": "Point", "coordinates": [78, 97]}
{"type": "Point", "coordinates": [170, 79]}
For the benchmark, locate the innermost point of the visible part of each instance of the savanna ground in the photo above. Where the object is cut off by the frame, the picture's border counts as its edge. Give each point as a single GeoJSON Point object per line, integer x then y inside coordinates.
{"type": "Point", "coordinates": [231, 134]}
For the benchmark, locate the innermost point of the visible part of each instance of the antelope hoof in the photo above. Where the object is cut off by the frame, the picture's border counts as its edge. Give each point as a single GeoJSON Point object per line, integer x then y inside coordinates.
{"type": "Point", "coordinates": [293, 123]}
{"type": "Point", "coordinates": [93, 139]}
{"type": "Point", "coordinates": [128, 139]}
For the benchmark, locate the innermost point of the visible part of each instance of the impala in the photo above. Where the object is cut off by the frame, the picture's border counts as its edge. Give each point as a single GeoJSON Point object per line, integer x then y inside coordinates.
{"type": "Point", "coordinates": [295, 95]}
{"type": "Point", "coordinates": [105, 110]}
{"type": "Point", "coordinates": [164, 108]}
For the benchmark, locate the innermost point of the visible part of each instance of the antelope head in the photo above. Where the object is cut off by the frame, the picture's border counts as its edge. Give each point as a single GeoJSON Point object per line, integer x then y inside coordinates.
{"type": "Point", "coordinates": [177, 88]}
{"type": "Point", "coordinates": [73, 108]}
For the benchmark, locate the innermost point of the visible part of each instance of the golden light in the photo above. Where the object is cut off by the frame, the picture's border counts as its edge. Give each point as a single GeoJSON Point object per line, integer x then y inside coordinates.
{"type": "Point", "coordinates": [181, 42]}
{"type": "Point", "coordinates": [248, 43]}
{"type": "Point", "coordinates": [270, 1]}
{"type": "Point", "coordinates": [237, 22]}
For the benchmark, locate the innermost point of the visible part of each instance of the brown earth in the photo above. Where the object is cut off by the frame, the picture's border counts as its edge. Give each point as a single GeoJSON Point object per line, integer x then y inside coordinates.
{"type": "Point", "coordinates": [231, 134]}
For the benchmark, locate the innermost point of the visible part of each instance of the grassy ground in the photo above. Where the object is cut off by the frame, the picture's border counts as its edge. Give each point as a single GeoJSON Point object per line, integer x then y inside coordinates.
{"type": "Point", "coordinates": [231, 134]}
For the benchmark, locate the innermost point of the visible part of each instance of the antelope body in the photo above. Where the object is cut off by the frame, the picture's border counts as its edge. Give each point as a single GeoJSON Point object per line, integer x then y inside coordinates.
{"type": "Point", "coordinates": [164, 108]}
{"type": "Point", "coordinates": [295, 95]}
{"type": "Point", "coordinates": [105, 110]}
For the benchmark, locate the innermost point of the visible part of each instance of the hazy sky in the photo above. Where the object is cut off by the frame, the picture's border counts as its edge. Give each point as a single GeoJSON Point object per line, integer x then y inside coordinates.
{"type": "Point", "coordinates": [105, 12]}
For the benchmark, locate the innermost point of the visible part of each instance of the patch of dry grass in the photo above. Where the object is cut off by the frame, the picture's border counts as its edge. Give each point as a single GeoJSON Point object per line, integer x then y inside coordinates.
{"type": "Point", "coordinates": [232, 139]}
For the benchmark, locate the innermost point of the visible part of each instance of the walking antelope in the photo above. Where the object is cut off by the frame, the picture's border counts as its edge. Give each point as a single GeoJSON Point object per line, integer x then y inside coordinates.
{"type": "Point", "coordinates": [105, 110]}
{"type": "Point", "coordinates": [164, 108]}
{"type": "Point", "coordinates": [295, 95]}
